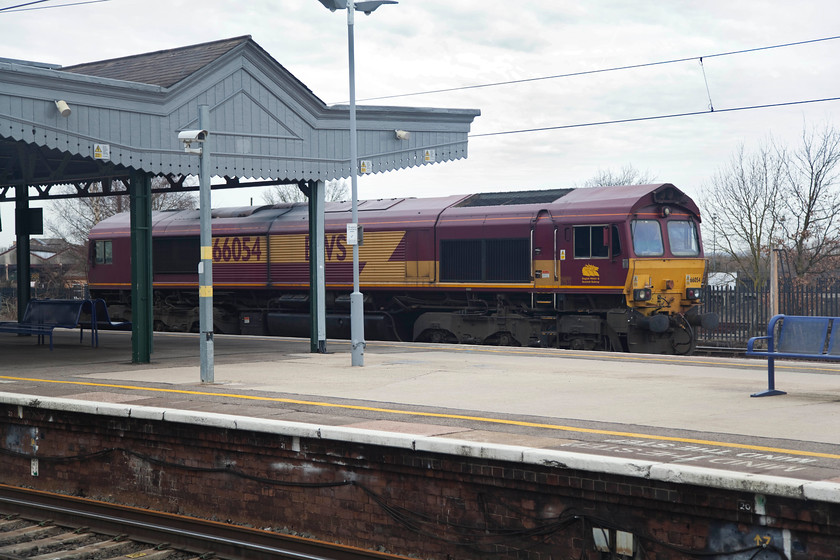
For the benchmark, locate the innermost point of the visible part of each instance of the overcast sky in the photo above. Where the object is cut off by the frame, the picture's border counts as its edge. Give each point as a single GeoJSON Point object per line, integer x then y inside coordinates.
{"type": "Point", "coordinates": [421, 45]}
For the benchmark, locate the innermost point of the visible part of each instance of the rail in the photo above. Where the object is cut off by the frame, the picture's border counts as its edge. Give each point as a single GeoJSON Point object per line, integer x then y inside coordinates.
{"type": "Point", "coordinates": [178, 532]}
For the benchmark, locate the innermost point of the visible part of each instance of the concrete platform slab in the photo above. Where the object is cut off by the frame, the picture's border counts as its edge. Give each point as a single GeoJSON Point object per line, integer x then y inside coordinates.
{"type": "Point", "coordinates": [675, 410]}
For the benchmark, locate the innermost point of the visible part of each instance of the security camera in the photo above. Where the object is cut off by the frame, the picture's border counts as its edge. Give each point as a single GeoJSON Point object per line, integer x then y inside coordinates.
{"type": "Point", "coordinates": [190, 136]}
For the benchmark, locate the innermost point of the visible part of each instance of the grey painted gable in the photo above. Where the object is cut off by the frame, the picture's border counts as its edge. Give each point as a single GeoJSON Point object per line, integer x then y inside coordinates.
{"type": "Point", "coordinates": [265, 123]}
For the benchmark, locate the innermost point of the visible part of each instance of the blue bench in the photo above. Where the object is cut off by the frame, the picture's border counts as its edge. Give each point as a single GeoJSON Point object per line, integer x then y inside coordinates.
{"type": "Point", "coordinates": [102, 320]}
{"type": "Point", "coordinates": [794, 336]}
{"type": "Point", "coordinates": [43, 316]}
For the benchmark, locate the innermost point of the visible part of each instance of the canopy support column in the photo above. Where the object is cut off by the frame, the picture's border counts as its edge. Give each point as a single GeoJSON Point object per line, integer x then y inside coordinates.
{"type": "Point", "coordinates": [140, 200]}
{"type": "Point", "coordinates": [316, 193]}
{"type": "Point", "coordinates": [22, 256]}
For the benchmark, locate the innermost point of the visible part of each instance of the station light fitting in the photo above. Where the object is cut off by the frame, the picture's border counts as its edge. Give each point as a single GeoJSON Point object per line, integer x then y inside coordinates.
{"type": "Point", "coordinates": [366, 7]}
{"type": "Point", "coordinates": [63, 108]}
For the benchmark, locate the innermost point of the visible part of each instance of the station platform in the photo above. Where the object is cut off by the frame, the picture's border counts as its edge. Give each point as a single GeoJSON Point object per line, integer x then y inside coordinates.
{"type": "Point", "coordinates": [693, 415]}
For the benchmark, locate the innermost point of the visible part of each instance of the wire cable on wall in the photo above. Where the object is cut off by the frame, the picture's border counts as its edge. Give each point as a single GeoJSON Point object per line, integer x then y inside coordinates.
{"type": "Point", "coordinates": [479, 537]}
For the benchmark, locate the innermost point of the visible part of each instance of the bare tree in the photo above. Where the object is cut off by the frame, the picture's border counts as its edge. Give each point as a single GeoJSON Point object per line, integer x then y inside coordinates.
{"type": "Point", "coordinates": [336, 191]}
{"type": "Point", "coordinates": [628, 175]}
{"type": "Point", "coordinates": [809, 227]}
{"type": "Point", "coordinates": [743, 197]}
{"type": "Point", "coordinates": [76, 216]}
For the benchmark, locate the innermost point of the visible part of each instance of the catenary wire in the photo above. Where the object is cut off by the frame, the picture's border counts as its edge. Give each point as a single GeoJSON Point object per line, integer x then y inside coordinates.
{"type": "Point", "coordinates": [22, 8]}
{"type": "Point", "coordinates": [657, 117]}
{"type": "Point", "coordinates": [23, 5]}
{"type": "Point", "coordinates": [602, 70]}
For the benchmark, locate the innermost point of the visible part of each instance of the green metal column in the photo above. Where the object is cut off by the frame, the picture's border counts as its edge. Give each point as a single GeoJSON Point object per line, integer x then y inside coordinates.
{"type": "Point", "coordinates": [316, 192]}
{"type": "Point", "coordinates": [140, 199]}
{"type": "Point", "coordinates": [24, 274]}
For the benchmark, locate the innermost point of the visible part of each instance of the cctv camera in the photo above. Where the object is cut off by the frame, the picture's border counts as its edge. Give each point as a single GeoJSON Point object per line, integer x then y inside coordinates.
{"type": "Point", "coordinates": [189, 136]}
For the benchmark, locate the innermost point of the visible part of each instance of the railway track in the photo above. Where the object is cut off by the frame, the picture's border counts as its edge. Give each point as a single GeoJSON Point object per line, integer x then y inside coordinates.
{"type": "Point", "coordinates": [719, 351]}
{"type": "Point", "coordinates": [45, 526]}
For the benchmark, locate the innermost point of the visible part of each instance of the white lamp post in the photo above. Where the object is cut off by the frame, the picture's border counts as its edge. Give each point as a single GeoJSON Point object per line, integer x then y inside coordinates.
{"type": "Point", "coordinates": [357, 318]}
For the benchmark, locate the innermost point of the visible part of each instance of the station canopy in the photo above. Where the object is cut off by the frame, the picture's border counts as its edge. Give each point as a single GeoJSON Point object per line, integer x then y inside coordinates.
{"type": "Point", "coordinates": [125, 115]}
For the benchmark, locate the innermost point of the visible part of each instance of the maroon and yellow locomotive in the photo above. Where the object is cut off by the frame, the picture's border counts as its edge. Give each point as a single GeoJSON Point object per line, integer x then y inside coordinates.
{"type": "Point", "coordinates": [615, 268]}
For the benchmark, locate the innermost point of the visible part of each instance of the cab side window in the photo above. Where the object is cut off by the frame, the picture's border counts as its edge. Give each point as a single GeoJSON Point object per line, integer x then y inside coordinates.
{"type": "Point", "coordinates": [591, 242]}
{"type": "Point", "coordinates": [103, 252]}
{"type": "Point", "coordinates": [616, 241]}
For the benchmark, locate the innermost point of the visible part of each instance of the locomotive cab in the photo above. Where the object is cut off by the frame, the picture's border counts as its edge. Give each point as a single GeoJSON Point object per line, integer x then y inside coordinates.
{"type": "Point", "coordinates": [665, 276]}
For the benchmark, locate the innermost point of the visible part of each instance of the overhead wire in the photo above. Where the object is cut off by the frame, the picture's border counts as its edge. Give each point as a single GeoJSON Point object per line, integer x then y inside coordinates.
{"type": "Point", "coordinates": [630, 67]}
{"type": "Point", "coordinates": [24, 4]}
{"type": "Point", "coordinates": [602, 70]}
{"type": "Point", "coordinates": [23, 8]}
{"type": "Point", "coordinates": [706, 81]}
{"type": "Point", "coordinates": [658, 117]}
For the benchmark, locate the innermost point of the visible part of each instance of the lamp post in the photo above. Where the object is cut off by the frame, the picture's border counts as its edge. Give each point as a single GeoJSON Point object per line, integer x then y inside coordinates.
{"type": "Point", "coordinates": [191, 138]}
{"type": "Point", "coordinates": [357, 318]}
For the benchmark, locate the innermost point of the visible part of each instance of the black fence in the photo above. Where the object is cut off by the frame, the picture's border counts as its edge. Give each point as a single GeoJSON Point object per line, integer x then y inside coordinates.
{"type": "Point", "coordinates": [8, 298]}
{"type": "Point", "coordinates": [745, 312]}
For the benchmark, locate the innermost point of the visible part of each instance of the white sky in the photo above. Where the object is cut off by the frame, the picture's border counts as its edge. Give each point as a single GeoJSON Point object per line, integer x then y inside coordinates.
{"type": "Point", "coordinates": [421, 45]}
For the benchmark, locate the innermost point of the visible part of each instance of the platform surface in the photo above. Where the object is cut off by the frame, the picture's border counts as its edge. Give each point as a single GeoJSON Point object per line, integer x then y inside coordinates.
{"type": "Point", "coordinates": [683, 410]}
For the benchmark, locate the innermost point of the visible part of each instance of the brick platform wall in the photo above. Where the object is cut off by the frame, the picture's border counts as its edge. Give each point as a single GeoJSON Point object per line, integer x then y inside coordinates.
{"type": "Point", "coordinates": [401, 501]}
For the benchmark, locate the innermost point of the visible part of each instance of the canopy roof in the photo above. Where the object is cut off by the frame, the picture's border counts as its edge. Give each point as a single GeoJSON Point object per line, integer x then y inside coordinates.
{"type": "Point", "coordinates": [126, 114]}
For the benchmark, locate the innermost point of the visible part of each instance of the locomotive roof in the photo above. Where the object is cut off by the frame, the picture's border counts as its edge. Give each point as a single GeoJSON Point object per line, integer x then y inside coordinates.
{"type": "Point", "coordinates": [510, 198]}
{"type": "Point", "coordinates": [623, 199]}
{"type": "Point", "coordinates": [594, 201]}
{"type": "Point", "coordinates": [626, 199]}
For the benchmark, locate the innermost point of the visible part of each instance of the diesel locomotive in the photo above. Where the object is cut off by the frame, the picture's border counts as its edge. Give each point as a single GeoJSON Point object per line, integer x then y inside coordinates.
{"type": "Point", "coordinates": [608, 268]}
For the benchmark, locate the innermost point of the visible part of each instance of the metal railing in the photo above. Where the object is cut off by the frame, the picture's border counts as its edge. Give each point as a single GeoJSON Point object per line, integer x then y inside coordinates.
{"type": "Point", "coordinates": [745, 312]}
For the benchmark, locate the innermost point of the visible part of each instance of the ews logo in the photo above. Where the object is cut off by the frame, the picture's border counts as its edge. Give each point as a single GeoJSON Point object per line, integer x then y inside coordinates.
{"type": "Point", "coordinates": [335, 247]}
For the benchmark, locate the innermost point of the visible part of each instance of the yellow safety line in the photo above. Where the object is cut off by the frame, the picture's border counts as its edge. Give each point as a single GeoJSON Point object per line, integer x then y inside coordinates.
{"type": "Point", "coordinates": [437, 415]}
{"type": "Point", "coordinates": [618, 356]}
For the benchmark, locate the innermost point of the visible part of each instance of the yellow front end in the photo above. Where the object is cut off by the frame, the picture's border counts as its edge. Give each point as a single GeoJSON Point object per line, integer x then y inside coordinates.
{"type": "Point", "coordinates": [668, 281]}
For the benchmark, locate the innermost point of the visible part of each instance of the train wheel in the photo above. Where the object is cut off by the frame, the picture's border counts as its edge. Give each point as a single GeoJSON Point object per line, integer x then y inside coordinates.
{"type": "Point", "coordinates": [503, 338]}
{"type": "Point", "coordinates": [437, 336]}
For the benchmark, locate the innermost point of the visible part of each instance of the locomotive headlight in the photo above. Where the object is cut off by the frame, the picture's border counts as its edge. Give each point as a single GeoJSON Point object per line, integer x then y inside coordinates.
{"type": "Point", "coordinates": [642, 294]}
{"type": "Point", "coordinates": [693, 293]}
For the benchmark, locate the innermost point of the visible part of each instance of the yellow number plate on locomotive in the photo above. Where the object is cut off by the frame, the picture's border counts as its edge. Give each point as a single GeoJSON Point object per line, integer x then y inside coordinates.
{"type": "Point", "coordinates": [231, 250]}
